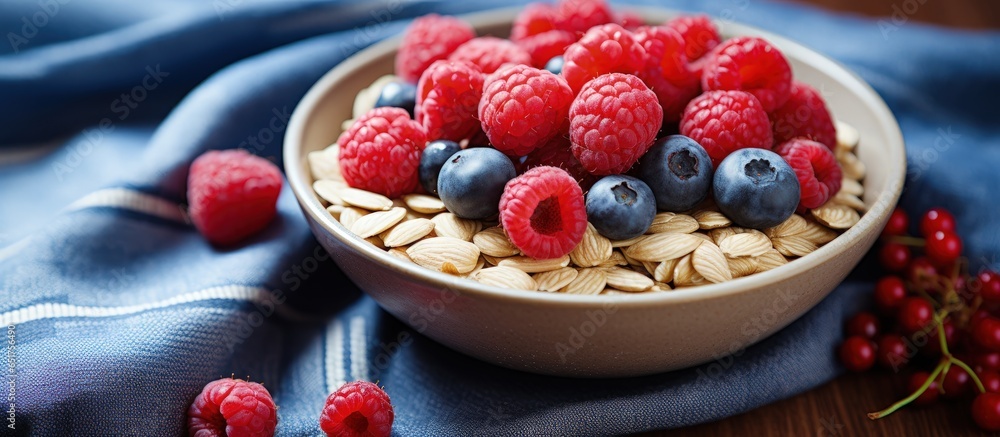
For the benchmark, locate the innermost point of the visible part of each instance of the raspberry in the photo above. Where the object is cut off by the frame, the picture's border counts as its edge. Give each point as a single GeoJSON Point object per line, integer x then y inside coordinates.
{"type": "Point", "coordinates": [699, 33]}
{"type": "Point", "coordinates": [522, 108]}
{"type": "Point", "coordinates": [666, 70]}
{"type": "Point", "coordinates": [580, 15]}
{"type": "Point", "coordinates": [447, 100]}
{"type": "Point", "coordinates": [630, 20]}
{"type": "Point", "coordinates": [429, 38]}
{"type": "Point", "coordinates": [816, 168]}
{"type": "Point", "coordinates": [724, 121]}
{"type": "Point", "coordinates": [804, 115]}
{"type": "Point", "coordinates": [232, 407]}
{"type": "Point", "coordinates": [357, 409]}
{"type": "Point", "coordinates": [543, 212]}
{"type": "Point", "coordinates": [534, 19]}
{"type": "Point", "coordinates": [603, 49]}
{"type": "Point", "coordinates": [547, 45]}
{"type": "Point", "coordinates": [381, 152]}
{"type": "Point", "coordinates": [613, 121]}
{"type": "Point", "coordinates": [557, 153]}
{"type": "Point", "coordinates": [750, 64]}
{"type": "Point", "coordinates": [489, 53]}
{"type": "Point", "coordinates": [232, 194]}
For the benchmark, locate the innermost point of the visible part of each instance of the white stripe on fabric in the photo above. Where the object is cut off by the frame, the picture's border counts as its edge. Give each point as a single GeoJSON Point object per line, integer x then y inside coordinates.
{"type": "Point", "coordinates": [132, 200]}
{"type": "Point", "coordinates": [60, 310]}
{"type": "Point", "coordinates": [359, 349]}
{"type": "Point", "coordinates": [336, 376]}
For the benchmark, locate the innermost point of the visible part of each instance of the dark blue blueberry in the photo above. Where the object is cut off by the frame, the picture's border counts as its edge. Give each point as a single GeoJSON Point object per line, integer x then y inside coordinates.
{"type": "Point", "coordinates": [679, 171]}
{"type": "Point", "coordinates": [398, 94]}
{"type": "Point", "coordinates": [431, 160]}
{"type": "Point", "coordinates": [620, 207]}
{"type": "Point", "coordinates": [555, 65]}
{"type": "Point", "coordinates": [472, 181]}
{"type": "Point", "coordinates": [756, 188]}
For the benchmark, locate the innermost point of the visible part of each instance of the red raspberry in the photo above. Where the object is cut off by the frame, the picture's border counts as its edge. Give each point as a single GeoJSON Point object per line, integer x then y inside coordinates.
{"type": "Point", "coordinates": [699, 33]}
{"type": "Point", "coordinates": [612, 122]}
{"type": "Point", "coordinates": [543, 212]}
{"type": "Point", "coordinates": [603, 49]}
{"type": "Point", "coordinates": [357, 409]}
{"type": "Point", "coordinates": [232, 194]}
{"type": "Point", "coordinates": [523, 107]}
{"type": "Point", "coordinates": [429, 38]}
{"type": "Point", "coordinates": [547, 45]}
{"type": "Point", "coordinates": [804, 115]}
{"type": "Point", "coordinates": [534, 19]}
{"type": "Point", "coordinates": [750, 64]}
{"type": "Point", "coordinates": [489, 53]}
{"type": "Point", "coordinates": [631, 20]}
{"type": "Point", "coordinates": [666, 70]}
{"type": "Point", "coordinates": [580, 15]}
{"type": "Point", "coordinates": [381, 152]}
{"type": "Point", "coordinates": [724, 121]}
{"type": "Point", "coordinates": [232, 407]}
{"type": "Point", "coordinates": [448, 96]}
{"type": "Point", "coordinates": [557, 153]}
{"type": "Point", "coordinates": [816, 168]}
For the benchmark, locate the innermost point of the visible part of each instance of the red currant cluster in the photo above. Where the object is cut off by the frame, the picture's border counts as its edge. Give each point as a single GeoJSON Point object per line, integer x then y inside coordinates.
{"type": "Point", "coordinates": [933, 310]}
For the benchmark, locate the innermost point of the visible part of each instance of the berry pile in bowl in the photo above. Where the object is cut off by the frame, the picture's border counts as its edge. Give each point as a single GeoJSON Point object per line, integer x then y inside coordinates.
{"type": "Point", "coordinates": [559, 178]}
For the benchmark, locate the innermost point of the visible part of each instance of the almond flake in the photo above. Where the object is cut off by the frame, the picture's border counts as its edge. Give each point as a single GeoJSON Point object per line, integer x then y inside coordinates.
{"type": "Point", "coordinates": [836, 216]}
{"type": "Point", "coordinates": [407, 232]}
{"type": "Point", "coordinates": [325, 164]}
{"type": "Point", "coordinates": [626, 243]}
{"type": "Point", "coordinates": [847, 136]}
{"type": "Point", "coordinates": [450, 225]}
{"type": "Point", "coordinates": [741, 267]}
{"type": "Point", "coordinates": [709, 260]}
{"type": "Point", "coordinates": [791, 226]}
{"type": "Point", "coordinates": [627, 280]}
{"type": "Point", "coordinates": [449, 268]}
{"type": "Point", "coordinates": [705, 237]}
{"type": "Point", "coordinates": [424, 204]}
{"type": "Point", "coordinates": [365, 199]}
{"type": "Point", "coordinates": [554, 280]}
{"type": "Point", "coordinates": [616, 259]}
{"type": "Point", "coordinates": [647, 267]}
{"type": "Point", "coordinates": [329, 190]}
{"type": "Point", "coordinates": [769, 260]}
{"type": "Point", "coordinates": [660, 247]}
{"type": "Point", "coordinates": [492, 260]}
{"type": "Point", "coordinates": [671, 222]}
{"type": "Point", "coordinates": [350, 215]}
{"type": "Point", "coordinates": [664, 271]}
{"type": "Point", "coordinates": [817, 233]}
{"type": "Point", "coordinates": [851, 186]}
{"type": "Point", "coordinates": [719, 234]}
{"type": "Point", "coordinates": [335, 210]}
{"type": "Point", "coordinates": [377, 222]}
{"type": "Point", "coordinates": [850, 200]}
{"type": "Point", "coordinates": [532, 265]}
{"type": "Point", "coordinates": [752, 243]}
{"type": "Point", "coordinates": [399, 252]}
{"type": "Point", "coordinates": [587, 281]}
{"type": "Point", "coordinates": [852, 166]}
{"type": "Point", "coordinates": [433, 253]}
{"type": "Point", "coordinates": [711, 219]}
{"type": "Point", "coordinates": [494, 242]}
{"type": "Point", "coordinates": [793, 245]}
{"type": "Point", "coordinates": [661, 286]}
{"type": "Point", "coordinates": [593, 249]}
{"type": "Point", "coordinates": [505, 277]}
{"type": "Point", "coordinates": [685, 275]}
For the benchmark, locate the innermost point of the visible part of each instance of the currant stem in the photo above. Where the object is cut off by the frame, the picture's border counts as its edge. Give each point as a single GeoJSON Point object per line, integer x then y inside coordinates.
{"type": "Point", "coordinates": [902, 402]}
{"type": "Point", "coordinates": [959, 363]}
{"type": "Point", "coordinates": [908, 241]}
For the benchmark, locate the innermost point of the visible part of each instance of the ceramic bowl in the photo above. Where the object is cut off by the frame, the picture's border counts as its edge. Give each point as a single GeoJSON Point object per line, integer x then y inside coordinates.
{"type": "Point", "coordinates": [601, 335]}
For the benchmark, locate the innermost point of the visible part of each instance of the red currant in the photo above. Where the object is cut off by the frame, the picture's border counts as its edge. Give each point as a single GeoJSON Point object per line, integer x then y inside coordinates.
{"type": "Point", "coordinates": [988, 286]}
{"type": "Point", "coordinates": [986, 411]}
{"type": "Point", "coordinates": [898, 223]}
{"type": "Point", "coordinates": [889, 294]}
{"type": "Point", "coordinates": [937, 219]}
{"type": "Point", "coordinates": [928, 396]}
{"type": "Point", "coordinates": [986, 333]}
{"type": "Point", "coordinates": [933, 346]}
{"type": "Point", "coordinates": [989, 361]}
{"type": "Point", "coordinates": [892, 353]}
{"type": "Point", "coordinates": [920, 270]}
{"type": "Point", "coordinates": [956, 382]}
{"type": "Point", "coordinates": [943, 248]}
{"type": "Point", "coordinates": [857, 353]}
{"type": "Point", "coordinates": [864, 324]}
{"type": "Point", "coordinates": [894, 256]}
{"type": "Point", "coordinates": [915, 314]}
{"type": "Point", "coordinates": [990, 380]}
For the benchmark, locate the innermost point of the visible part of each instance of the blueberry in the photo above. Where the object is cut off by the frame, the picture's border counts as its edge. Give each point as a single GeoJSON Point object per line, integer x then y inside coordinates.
{"type": "Point", "coordinates": [756, 188]}
{"type": "Point", "coordinates": [471, 182]}
{"type": "Point", "coordinates": [620, 207]}
{"type": "Point", "coordinates": [679, 171]}
{"type": "Point", "coordinates": [398, 94]}
{"type": "Point", "coordinates": [431, 160]}
{"type": "Point", "coordinates": [555, 65]}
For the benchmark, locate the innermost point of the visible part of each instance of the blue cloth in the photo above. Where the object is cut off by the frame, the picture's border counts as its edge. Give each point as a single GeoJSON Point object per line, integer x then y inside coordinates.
{"type": "Point", "coordinates": [121, 312]}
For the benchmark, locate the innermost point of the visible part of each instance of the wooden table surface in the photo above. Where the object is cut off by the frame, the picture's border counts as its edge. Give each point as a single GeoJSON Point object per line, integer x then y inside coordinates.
{"type": "Point", "coordinates": [838, 408]}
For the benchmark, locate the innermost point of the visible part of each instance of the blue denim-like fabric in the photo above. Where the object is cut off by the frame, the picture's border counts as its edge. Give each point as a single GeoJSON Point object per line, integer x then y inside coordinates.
{"type": "Point", "coordinates": [131, 312]}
